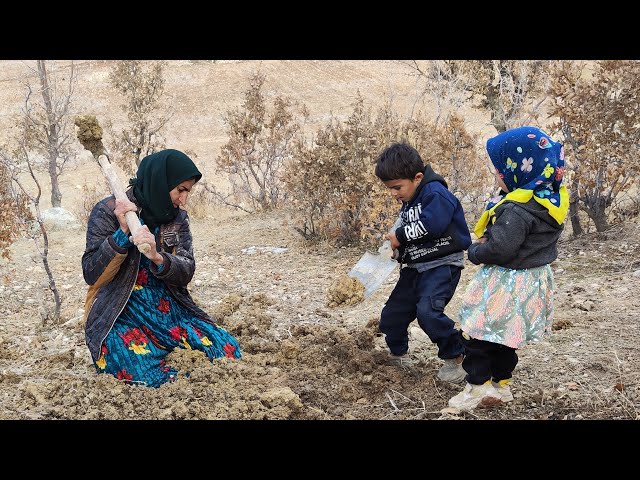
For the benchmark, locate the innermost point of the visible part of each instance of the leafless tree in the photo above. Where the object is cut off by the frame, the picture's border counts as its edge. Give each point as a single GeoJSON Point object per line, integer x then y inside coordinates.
{"type": "Point", "coordinates": [441, 81]}
{"type": "Point", "coordinates": [260, 142]}
{"type": "Point", "coordinates": [512, 91]}
{"type": "Point", "coordinates": [17, 164]}
{"type": "Point", "coordinates": [49, 130]}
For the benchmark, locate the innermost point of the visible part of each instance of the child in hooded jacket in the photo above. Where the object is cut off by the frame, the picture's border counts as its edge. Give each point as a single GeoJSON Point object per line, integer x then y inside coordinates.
{"type": "Point", "coordinates": [430, 236]}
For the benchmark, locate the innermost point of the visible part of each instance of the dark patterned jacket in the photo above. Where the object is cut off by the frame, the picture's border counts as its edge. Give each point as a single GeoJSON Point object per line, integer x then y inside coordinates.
{"type": "Point", "coordinates": [523, 235]}
{"type": "Point", "coordinates": [111, 271]}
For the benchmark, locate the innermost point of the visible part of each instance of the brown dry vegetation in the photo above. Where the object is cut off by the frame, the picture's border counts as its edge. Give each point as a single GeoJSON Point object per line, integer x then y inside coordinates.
{"type": "Point", "coordinates": [301, 358]}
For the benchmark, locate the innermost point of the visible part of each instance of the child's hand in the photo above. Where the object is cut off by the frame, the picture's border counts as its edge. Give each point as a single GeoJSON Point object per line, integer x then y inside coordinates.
{"type": "Point", "coordinates": [482, 240]}
{"type": "Point", "coordinates": [391, 236]}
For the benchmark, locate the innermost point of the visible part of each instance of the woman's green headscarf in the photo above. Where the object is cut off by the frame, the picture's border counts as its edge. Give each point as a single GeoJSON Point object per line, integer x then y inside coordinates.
{"type": "Point", "coordinates": [157, 175]}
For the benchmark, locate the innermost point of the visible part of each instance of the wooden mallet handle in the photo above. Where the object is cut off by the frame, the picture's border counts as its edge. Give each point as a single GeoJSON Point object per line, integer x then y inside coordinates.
{"type": "Point", "coordinates": [116, 187]}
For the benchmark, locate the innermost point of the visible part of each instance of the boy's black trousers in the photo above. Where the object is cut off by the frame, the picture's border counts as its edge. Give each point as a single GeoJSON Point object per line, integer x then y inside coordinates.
{"type": "Point", "coordinates": [422, 295]}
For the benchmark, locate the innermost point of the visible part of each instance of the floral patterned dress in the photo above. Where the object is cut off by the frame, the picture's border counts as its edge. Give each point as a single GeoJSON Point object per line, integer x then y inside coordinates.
{"type": "Point", "coordinates": [151, 325]}
{"type": "Point", "coordinates": [507, 306]}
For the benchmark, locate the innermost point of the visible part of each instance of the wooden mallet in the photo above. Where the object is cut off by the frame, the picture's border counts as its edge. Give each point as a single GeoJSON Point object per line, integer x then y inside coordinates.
{"type": "Point", "coordinates": [90, 135]}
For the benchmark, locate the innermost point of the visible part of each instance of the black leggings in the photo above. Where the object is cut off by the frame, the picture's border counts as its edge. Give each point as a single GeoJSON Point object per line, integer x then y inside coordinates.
{"type": "Point", "coordinates": [486, 360]}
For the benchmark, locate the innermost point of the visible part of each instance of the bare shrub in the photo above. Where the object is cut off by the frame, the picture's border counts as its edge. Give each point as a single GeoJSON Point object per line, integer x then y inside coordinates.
{"type": "Point", "coordinates": [330, 178]}
{"type": "Point", "coordinates": [598, 116]}
{"type": "Point", "coordinates": [334, 193]}
{"type": "Point", "coordinates": [142, 86]}
{"type": "Point", "coordinates": [200, 201]}
{"type": "Point", "coordinates": [460, 157]}
{"type": "Point", "coordinates": [14, 211]}
{"type": "Point", "coordinates": [260, 143]}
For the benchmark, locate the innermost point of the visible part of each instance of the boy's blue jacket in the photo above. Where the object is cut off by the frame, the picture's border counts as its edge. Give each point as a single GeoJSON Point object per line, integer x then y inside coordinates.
{"type": "Point", "coordinates": [432, 223]}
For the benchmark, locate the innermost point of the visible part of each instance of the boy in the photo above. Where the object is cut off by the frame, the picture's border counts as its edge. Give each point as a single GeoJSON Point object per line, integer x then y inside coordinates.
{"type": "Point", "coordinates": [430, 236]}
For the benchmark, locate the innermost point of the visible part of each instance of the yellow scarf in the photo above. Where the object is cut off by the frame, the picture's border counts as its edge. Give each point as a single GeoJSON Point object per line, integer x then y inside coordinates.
{"type": "Point", "coordinates": [520, 195]}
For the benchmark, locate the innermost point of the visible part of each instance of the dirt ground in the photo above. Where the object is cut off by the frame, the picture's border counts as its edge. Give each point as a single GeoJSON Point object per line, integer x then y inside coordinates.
{"type": "Point", "coordinates": [302, 359]}
{"type": "Point", "coordinates": [305, 360]}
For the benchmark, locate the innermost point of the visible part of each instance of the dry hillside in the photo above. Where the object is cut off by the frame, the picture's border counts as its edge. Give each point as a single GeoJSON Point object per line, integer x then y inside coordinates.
{"type": "Point", "coordinates": [200, 92]}
{"type": "Point", "coordinates": [301, 358]}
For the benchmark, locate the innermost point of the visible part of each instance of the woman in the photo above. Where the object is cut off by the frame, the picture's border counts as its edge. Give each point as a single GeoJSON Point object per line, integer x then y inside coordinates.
{"type": "Point", "coordinates": [138, 308]}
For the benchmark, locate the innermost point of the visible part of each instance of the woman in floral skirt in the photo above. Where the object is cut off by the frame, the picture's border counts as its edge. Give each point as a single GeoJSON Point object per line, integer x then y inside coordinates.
{"type": "Point", "coordinates": [138, 308]}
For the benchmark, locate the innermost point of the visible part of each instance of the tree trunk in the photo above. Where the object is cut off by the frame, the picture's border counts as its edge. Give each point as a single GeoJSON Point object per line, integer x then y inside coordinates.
{"type": "Point", "coordinates": [573, 216]}
{"type": "Point", "coordinates": [52, 135]}
{"type": "Point", "coordinates": [52, 286]}
{"type": "Point", "coordinates": [44, 255]}
{"type": "Point", "coordinates": [599, 218]}
{"type": "Point", "coordinates": [596, 208]}
{"type": "Point", "coordinates": [492, 99]}
{"type": "Point", "coordinates": [56, 195]}
{"type": "Point", "coordinates": [497, 115]}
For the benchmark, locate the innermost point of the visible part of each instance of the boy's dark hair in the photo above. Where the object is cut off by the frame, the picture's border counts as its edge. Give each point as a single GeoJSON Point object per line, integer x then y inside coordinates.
{"type": "Point", "coordinates": [399, 161]}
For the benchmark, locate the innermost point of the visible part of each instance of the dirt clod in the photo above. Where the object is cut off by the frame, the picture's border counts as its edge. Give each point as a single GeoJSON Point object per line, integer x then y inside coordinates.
{"type": "Point", "coordinates": [345, 291]}
{"type": "Point", "coordinates": [89, 134]}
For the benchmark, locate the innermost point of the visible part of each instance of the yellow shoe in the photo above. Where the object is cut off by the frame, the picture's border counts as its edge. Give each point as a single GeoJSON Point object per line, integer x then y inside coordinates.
{"type": "Point", "coordinates": [504, 389]}
{"type": "Point", "coordinates": [472, 396]}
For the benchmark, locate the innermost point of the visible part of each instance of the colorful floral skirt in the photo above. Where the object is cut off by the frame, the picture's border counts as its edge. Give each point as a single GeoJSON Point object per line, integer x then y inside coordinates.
{"type": "Point", "coordinates": [151, 325]}
{"type": "Point", "coordinates": [509, 307]}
